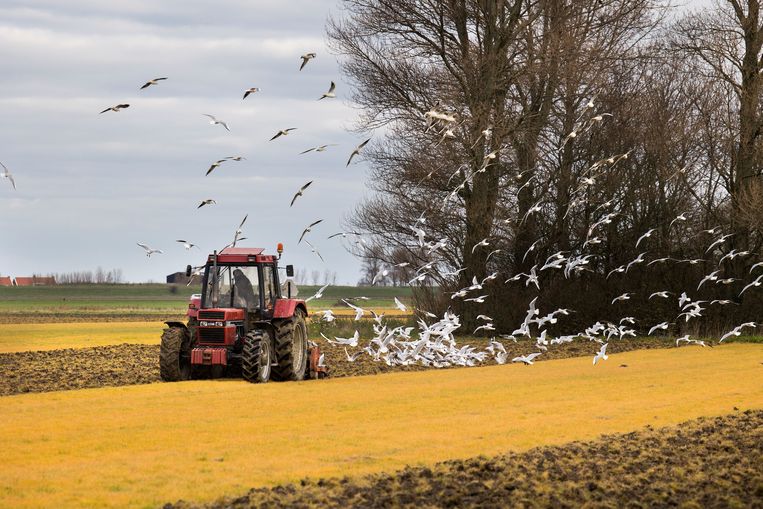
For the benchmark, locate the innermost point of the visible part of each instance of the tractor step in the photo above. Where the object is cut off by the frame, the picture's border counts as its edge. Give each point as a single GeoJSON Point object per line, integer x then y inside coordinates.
{"type": "Point", "coordinates": [209, 356]}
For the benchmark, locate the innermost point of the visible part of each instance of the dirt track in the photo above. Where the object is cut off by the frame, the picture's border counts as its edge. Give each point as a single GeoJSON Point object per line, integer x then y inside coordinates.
{"type": "Point", "coordinates": [82, 368]}
{"type": "Point", "coordinates": [710, 462]}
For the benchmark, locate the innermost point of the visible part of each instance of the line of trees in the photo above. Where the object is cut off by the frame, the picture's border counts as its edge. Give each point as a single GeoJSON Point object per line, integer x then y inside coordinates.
{"type": "Point", "coordinates": [550, 115]}
{"type": "Point", "coordinates": [98, 276]}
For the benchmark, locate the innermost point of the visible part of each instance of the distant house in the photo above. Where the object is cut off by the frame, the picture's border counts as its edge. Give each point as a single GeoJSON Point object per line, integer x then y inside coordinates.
{"type": "Point", "coordinates": [178, 278]}
{"type": "Point", "coordinates": [35, 281]}
{"type": "Point", "coordinates": [6, 281]}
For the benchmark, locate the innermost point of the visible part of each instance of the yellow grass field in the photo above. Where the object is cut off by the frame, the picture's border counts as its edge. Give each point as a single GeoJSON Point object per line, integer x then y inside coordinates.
{"type": "Point", "coordinates": [145, 445]}
{"type": "Point", "coordinates": [51, 336]}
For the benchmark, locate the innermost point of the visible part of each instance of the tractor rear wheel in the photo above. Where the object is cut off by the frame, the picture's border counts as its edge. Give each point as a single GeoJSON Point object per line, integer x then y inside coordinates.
{"type": "Point", "coordinates": [175, 355]}
{"type": "Point", "coordinates": [291, 347]}
{"type": "Point", "coordinates": [256, 357]}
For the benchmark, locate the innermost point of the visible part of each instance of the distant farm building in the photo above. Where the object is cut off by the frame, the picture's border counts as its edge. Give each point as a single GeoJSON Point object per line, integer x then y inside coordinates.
{"type": "Point", "coordinates": [35, 281]}
{"type": "Point", "coordinates": [6, 281]}
{"type": "Point", "coordinates": [178, 278]}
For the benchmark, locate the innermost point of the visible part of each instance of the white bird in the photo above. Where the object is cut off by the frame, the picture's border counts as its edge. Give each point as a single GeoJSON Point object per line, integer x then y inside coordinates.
{"type": "Point", "coordinates": [659, 326]}
{"type": "Point", "coordinates": [357, 151]}
{"type": "Point", "coordinates": [382, 273]}
{"type": "Point", "coordinates": [318, 294]}
{"type": "Point", "coordinates": [149, 250]}
{"type": "Point", "coordinates": [319, 148]}
{"type": "Point", "coordinates": [354, 356]}
{"type": "Point", "coordinates": [328, 315]}
{"type": "Point", "coordinates": [300, 193]}
{"type": "Point", "coordinates": [737, 331]}
{"type": "Point", "coordinates": [208, 201]}
{"type": "Point", "coordinates": [618, 270]}
{"type": "Point", "coordinates": [664, 294]}
{"type": "Point", "coordinates": [483, 242]}
{"type": "Point", "coordinates": [7, 175]}
{"type": "Point", "coordinates": [755, 284]}
{"type": "Point", "coordinates": [478, 300]}
{"type": "Point", "coordinates": [718, 242]}
{"type": "Point", "coordinates": [527, 359]}
{"type": "Point", "coordinates": [683, 299]}
{"type": "Point", "coordinates": [330, 94]}
{"type": "Point", "coordinates": [399, 305]}
{"type": "Point", "coordinates": [154, 81]}
{"type": "Point", "coordinates": [644, 236]}
{"type": "Point", "coordinates": [322, 361]}
{"type": "Point", "coordinates": [359, 312]}
{"type": "Point", "coordinates": [680, 217]}
{"type": "Point", "coordinates": [602, 354]}
{"type": "Point", "coordinates": [314, 250]}
{"type": "Point", "coordinates": [353, 341]}
{"type": "Point", "coordinates": [283, 132]}
{"type": "Point", "coordinates": [239, 231]}
{"type": "Point", "coordinates": [305, 59]}
{"type": "Point", "coordinates": [116, 108]}
{"type": "Point", "coordinates": [623, 297]}
{"type": "Point", "coordinates": [638, 259]}
{"type": "Point", "coordinates": [757, 265]}
{"type": "Point", "coordinates": [187, 245]}
{"type": "Point", "coordinates": [214, 121]}
{"type": "Point", "coordinates": [249, 91]}
{"type": "Point", "coordinates": [710, 277]}
{"type": "Point", "coordinates": [308, 229]}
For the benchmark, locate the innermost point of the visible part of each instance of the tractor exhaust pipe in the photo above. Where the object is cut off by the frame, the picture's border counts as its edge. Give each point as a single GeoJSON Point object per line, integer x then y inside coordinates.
{"type": "Point", "coordinates": [215, 286]}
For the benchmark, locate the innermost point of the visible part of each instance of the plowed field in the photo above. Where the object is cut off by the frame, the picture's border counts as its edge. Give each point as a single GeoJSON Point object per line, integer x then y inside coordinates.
{"type": "Point", "coordinates": [148, 444]}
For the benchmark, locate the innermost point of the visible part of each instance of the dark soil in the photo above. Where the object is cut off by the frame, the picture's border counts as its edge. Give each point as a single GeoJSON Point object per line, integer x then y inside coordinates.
{"type": "Point", "coordinates": [705, 463]}
{"type": "Point", "coordinates": [81, 368]}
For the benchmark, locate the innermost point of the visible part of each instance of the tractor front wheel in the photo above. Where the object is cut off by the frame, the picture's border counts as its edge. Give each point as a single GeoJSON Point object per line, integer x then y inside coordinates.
{"type": "Point", "coordinates": [256, 357]}
{"type": "Point", "coordinates": [175, 355]}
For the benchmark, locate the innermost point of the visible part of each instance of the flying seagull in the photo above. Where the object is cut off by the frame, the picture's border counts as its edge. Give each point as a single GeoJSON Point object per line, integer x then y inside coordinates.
{"type": "Point", "coordinates": [154, 81]}
{"type": "Point", "coordinates": [308, 230]}
{"type": "Point", "coordinates": [214, 121]}
{"type": "Point", "coordinates": [312, 248]}
{"type": "Point", "coordinates": [282, 132]}
{"type": "Point", "coordinates": [239, 231]}
{"type": "Point", "coordinates": [305, 59]}
{"type": "Point", "coordinates": [300, 192]}
{"type": "Point", "coordinates": [320, 148]}
{"type": "Point", "coordinates": [602, 354]}
{"type": "Point", "coordinates": [150, 251]}
{"type": "Point", "coordinates": [187, 245]}
{"type": "Point", "coordinates": [7, 175]}
{"type": "Point", "coordinates": [116, 108]}
{"type": "Point", "coordinates": [214, 166]}
{"type": "Point", "coordinates": [527, 359]}
{"type": "Point", "coordinates": [356, 151]}
{"type": "Point", "coordinates": [206, 202]}
{"type": "Point", "coordinates": [250, 91]}
{"type": "Point", "coordinates": [330, 94]}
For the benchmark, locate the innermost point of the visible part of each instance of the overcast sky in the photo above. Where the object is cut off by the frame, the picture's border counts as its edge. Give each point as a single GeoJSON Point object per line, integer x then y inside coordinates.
{"type": "Point", "coordinates": [90, 186]}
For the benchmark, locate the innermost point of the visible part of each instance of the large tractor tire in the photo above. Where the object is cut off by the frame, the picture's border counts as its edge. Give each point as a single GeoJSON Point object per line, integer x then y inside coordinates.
{"type": "Point", "coordinates": [291, 348]}
{"type": "Point", "coordinates": [175, 355]}
{"type": "Point", "coordinates": [256, 357]}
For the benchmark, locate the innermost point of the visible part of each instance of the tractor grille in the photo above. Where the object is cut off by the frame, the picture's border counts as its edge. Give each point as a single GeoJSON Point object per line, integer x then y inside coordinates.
{"type": "Point", "coordinates": [211, 335]}
{"type": "Point", "coordinates": [211, 315]}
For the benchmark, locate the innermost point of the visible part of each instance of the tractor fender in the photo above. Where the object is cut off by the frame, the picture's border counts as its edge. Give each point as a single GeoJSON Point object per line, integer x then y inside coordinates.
{"type": "Point", "coordinates": [176, 324]}
{"type": "Point", "coordinates": [285, 308]}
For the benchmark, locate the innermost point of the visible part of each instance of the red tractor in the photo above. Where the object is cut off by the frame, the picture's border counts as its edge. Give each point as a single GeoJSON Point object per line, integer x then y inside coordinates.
{"type": "Point", "coordinates": [241, 325]}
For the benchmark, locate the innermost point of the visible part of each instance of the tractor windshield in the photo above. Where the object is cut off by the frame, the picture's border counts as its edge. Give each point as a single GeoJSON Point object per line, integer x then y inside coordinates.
{"type": "Point", "coordinates": [233, 286]}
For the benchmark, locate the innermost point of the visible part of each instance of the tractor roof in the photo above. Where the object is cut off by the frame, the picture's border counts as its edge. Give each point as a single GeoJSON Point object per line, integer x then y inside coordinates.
{"type": "Point", "coordinates": [242, 255]}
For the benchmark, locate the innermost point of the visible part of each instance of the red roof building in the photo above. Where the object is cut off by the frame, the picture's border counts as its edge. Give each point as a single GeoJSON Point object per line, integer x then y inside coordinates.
{"type": "Point", "coordinates": [35, 281]}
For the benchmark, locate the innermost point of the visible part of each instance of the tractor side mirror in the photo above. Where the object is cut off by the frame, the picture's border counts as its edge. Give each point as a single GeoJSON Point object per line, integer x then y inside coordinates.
{"type": "Point", "coordinates": [290, 271]}
{"type": "Point", "coordinates": [188, 271]}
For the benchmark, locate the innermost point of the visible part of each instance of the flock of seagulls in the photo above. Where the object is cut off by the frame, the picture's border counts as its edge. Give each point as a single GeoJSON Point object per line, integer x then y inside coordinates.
{"type": "Point", "coordinates": [215, 121]}
{"type": "Point", "coordinates": [435, 344]}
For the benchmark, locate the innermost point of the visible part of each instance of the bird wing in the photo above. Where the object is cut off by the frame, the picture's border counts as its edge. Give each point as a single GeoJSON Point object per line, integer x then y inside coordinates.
{"type": "Point", "coordinates": [304, 62]}
{"type": "Point", "coordinates": [332, 87]}
{"type": "Point", "coordinates": [295, 198]}
{"type": "Point", "coordinates": [305, 186]}
{"type": "Point", "coordinates": [224, 125]}
{"type": "Point", "coordinates": [210, 116]}
{"type": "Point", "coordinates": [276, 136]}
{"type": "Point", "coordinates": [304, 232]}
{"type": "Point", "coordinates": [308, 150]}
{"type": "Point", "coordinates": [243, 221]}
{"type": "Point", "coordinates": [316, 222]}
